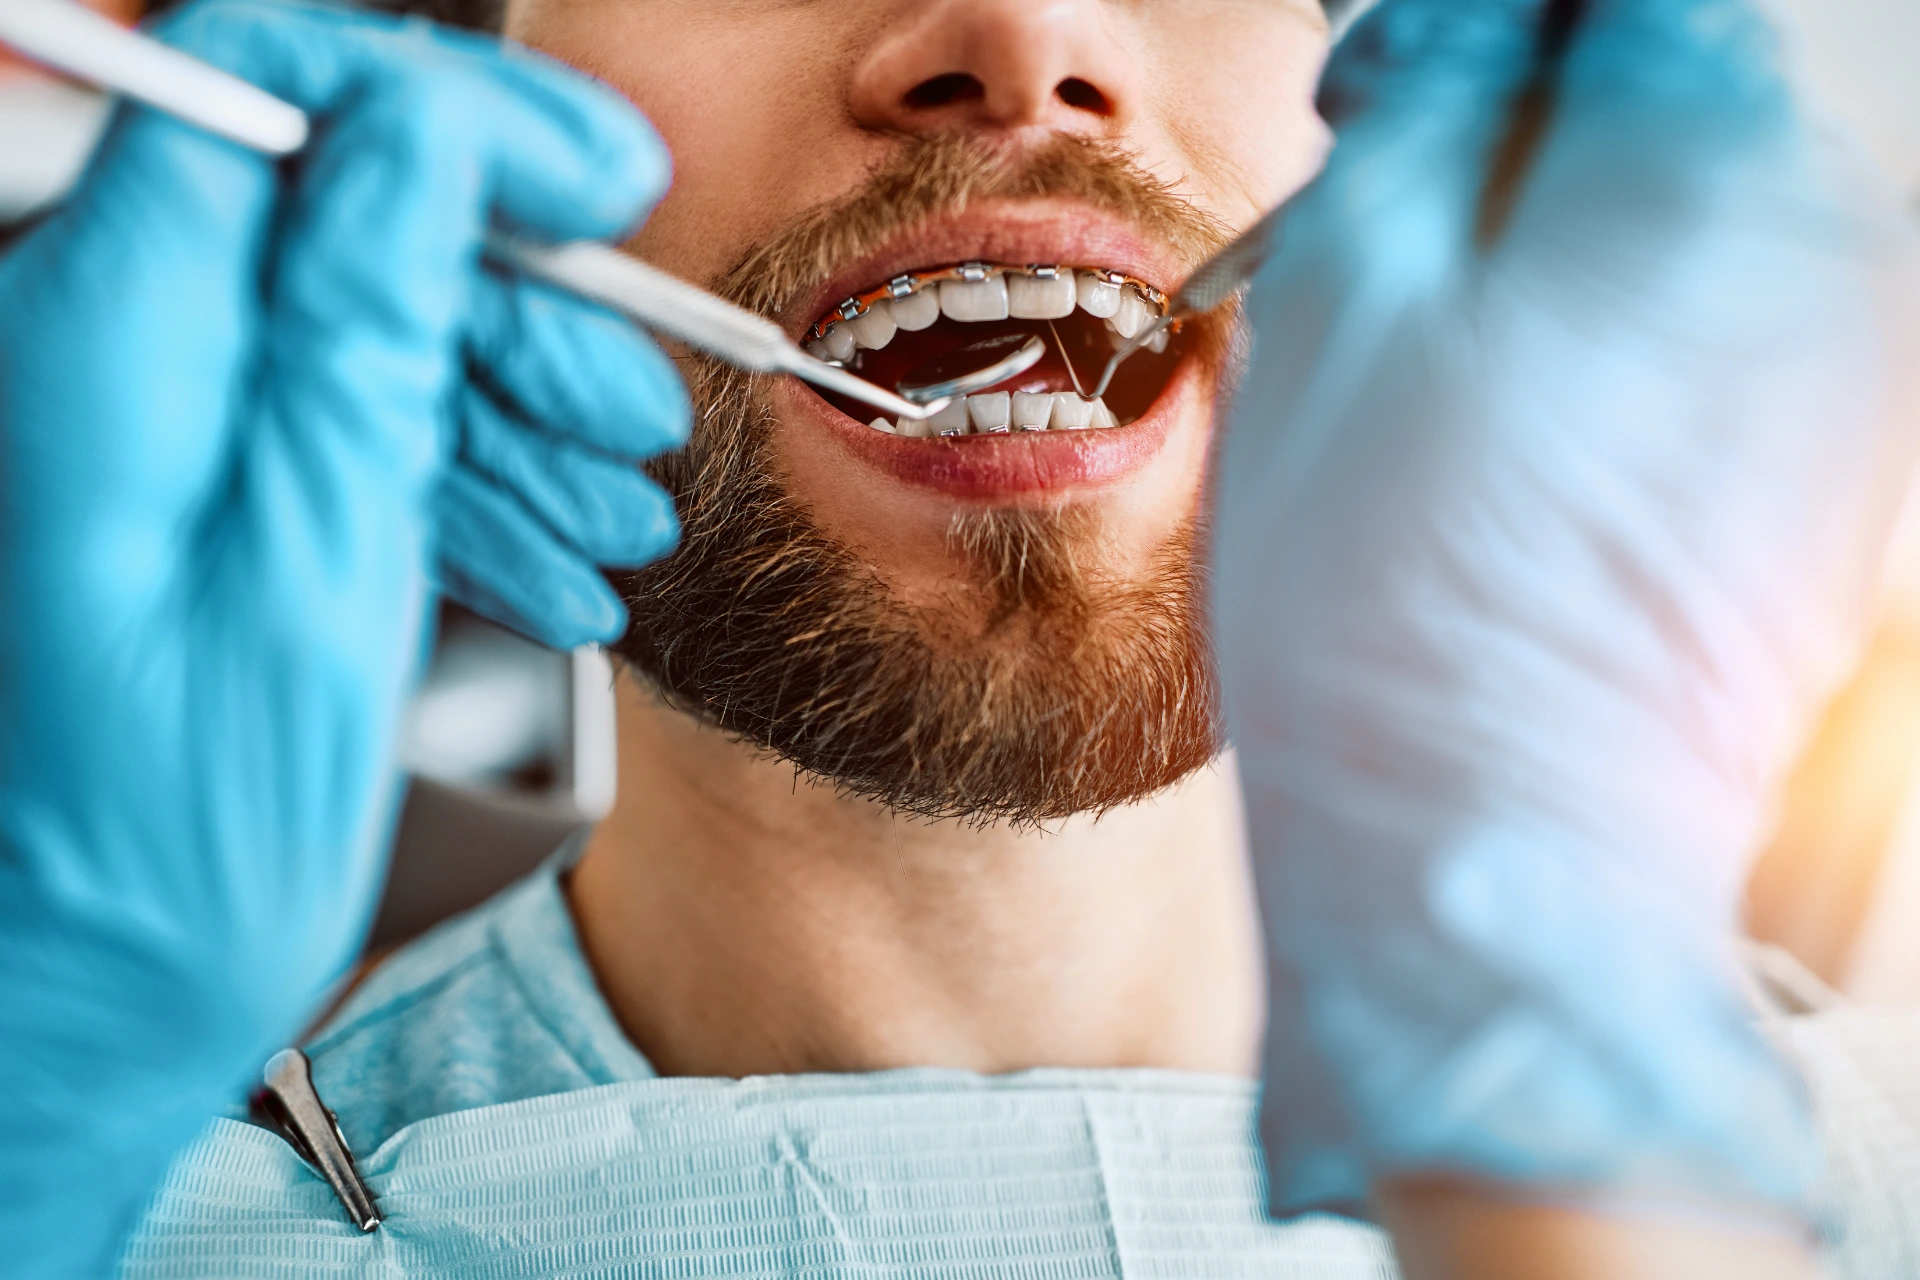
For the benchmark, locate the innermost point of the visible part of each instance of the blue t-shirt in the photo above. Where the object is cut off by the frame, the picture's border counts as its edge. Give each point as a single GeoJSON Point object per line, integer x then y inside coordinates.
{"type": "Point", "coordinates": [492, 1006]}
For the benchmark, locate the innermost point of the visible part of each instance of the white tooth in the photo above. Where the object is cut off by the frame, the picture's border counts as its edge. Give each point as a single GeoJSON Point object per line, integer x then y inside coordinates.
{"type": "Point", "coordinates": [881, 424]}
{"type": "Point", "coordinates": [1070, 412]}
{"type": "Point", "coordinates": [818, 350]}
{"type": "Point", "coordinates": [1032, 298]}
{"type": "Point", "coordinates": [916, 427]}
{"type": "Point", "coordinates": [838, 342]}
{"type": "Point", "coordinates": [1102, 416]}
{"type": "Point", "coordinates": [974, 300]}
{"type": "Point", "coordinates": [952, 420]}
{"type": "Point", "coordinates": [991, 411]}
{"type": "Point", "coordinates": [1096, 296]}
{"type": "Point", "coordinates": [1158, 342]}
{"type": "Point", "coordinates": [873, 328]}
{"type": "Point", "coordinates": [917, 310]}
{"type": "Point", "coordinates": [1133, 315]}
{"type": "Point", "coordinates": [1031, 410]}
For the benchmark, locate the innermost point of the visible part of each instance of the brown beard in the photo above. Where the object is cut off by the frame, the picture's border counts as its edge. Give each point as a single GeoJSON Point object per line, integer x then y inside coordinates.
{"type": "Point", "coordinates": [1056, 688]}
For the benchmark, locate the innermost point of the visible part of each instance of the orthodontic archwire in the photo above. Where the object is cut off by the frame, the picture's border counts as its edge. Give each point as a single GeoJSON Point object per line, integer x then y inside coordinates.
{"type": "Point", "coordinates": [1068, 361]}
{"type": "Point", "coordinates": [909, 283]}
{"type": "Point", "coordinates": [96, 50]}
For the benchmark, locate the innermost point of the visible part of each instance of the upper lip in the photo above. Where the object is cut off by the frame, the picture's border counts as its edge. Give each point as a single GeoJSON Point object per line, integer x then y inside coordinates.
{"type": "Point", "coordinates": [1057, 232]}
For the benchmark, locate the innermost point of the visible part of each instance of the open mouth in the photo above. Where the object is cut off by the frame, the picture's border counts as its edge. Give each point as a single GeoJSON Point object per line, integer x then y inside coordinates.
{"type": "Point", "coordinates": [922, 324]}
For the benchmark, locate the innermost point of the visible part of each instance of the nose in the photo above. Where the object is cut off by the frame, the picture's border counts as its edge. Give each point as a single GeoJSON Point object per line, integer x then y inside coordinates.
{"type": "Point", "coordinates": [998, 65]}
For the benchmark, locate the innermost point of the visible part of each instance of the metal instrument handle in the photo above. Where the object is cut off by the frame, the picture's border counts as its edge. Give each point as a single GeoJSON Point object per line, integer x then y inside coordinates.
{"type": "Point", "coordinates": [73, 39]}
{"type": "Point", "coordinates": [288, 1096]}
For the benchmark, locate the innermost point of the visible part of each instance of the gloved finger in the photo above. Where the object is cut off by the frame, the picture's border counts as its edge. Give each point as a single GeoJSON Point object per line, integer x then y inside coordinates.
{"type": "Point", "coordinates": [552, 151]}
{"type": "Point", "coordinates": [170, 216]}
{"type": "Point", "coordinates": [1448, 112]}
{"type": "Point", "coordinates": [602, 506]}
{"type": "Point", "coordinates": [418, 147]}
{"type": "Point", "coordinates": [1520, 596]}
{"type": "Point", "coordinates": [571, 366]}
{"type": "Point", "coordinates": [167, 220]}
{"type": "Point", "coordinates": [498, 558]}
{"type": "Point", "coordinates": [1468, 56]}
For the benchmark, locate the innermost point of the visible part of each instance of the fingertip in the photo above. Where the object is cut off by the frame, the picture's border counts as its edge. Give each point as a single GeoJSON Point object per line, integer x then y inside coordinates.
{"type": "Point", "coordinates": [669, 404]}
{"type": "Point", "coordinates": [637, 155]}
{"type": "Point", "coordinates": [616, 166]}
{"type": "Point", "coordinates": [625, 167]}
{"type": "Point", "coordinates": [630, 398]}
{"type": "Point", "coordinates": [637, 525]}
{"type": "Point", "coordinates": [578, 370]}
{"type": "Point", "coordinates": [593, 613]}
{"type": "Point", "coordinates": [657, 535]}
{"type": "Point", "coordinates": [570, 608]}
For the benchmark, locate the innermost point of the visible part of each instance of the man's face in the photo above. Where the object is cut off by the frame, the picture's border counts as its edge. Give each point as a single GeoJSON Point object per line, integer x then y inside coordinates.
{"type": "Point", "coordinates": [1002, 622]}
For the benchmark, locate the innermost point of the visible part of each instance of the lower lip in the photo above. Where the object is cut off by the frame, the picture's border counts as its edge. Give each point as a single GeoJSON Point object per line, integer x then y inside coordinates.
{"type": "Point", "coordinates": [988, 467]}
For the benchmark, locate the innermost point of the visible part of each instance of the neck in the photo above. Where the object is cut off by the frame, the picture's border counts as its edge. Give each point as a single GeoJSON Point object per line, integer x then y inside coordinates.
{"type": "Point", "coordinates": [742, 922]}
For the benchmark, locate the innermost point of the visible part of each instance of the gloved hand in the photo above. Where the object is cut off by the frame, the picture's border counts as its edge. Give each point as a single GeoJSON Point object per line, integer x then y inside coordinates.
{"type": "Point", "coordinates": [1535, 558]}
{"type": "Point", "coordinates": [245, 411]}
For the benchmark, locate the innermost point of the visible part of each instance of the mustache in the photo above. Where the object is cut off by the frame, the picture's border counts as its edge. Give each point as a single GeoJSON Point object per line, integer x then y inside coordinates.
{"type": "Point", "coordinates": [940, 176]}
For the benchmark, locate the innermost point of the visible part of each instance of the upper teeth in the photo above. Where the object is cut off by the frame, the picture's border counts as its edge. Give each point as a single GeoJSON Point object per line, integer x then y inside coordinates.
{"type": "Point", "coordinates": [1038, 297]}
{"type": "Point", "coordinates": [975, 291]}
{"type": "Point", "coordinates": [972, 299]}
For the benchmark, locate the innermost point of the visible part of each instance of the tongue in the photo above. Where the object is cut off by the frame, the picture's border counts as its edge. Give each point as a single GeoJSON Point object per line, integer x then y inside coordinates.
{"type": "Point", "coordinates": [975, 366]}
{"type": "Point", "coordinates": [949, 349]}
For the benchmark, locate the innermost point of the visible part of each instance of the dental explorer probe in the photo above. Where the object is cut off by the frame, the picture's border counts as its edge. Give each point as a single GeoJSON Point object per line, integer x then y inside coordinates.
{"type": "Point", "coordinates": [83, 44]}
{"type": "Point", "coordinates": [1212, 283]}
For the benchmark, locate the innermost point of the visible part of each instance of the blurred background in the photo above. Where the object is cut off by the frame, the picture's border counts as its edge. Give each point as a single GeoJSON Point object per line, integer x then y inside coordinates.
{"type": "Point", "coordinates": [1840, 886]}
{"type": "Point", "coordinates": [510, 747]}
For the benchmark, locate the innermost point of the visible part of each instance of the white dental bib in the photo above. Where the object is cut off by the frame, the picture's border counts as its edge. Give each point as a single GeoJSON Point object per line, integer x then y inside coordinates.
{"type": "Point", "coordinates": [508, 1129]}
{"type": "Point", "coordinates": [934, 1174]}
{"type": "Point", "coordinates": [937, 1175]}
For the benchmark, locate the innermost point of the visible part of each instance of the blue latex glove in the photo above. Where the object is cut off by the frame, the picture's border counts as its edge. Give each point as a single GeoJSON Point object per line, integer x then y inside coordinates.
{"type": "Point", "coordinates": [245, 410]}
{"type": "Point", "coordinates": [1534, 564]}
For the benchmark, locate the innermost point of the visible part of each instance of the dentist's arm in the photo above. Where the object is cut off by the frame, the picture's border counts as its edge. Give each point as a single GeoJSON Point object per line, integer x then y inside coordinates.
{"type": "Point", "coordinates": [249, 413]}
{"type": "Point", "coordinates": [1538, 552]}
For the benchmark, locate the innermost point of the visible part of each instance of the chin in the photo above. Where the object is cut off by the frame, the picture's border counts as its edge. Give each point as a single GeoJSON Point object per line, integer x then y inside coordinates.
{"type": "Point", "coordinates": [992, 615]}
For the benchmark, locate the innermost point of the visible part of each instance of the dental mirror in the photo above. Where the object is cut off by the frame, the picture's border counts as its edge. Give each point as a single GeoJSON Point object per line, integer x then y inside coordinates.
{"type": "Point", "coordinates": [971, 368]}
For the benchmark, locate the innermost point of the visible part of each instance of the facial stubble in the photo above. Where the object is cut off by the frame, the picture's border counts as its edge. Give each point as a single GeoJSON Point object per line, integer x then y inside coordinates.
{"type": "Point", "coordinates": [1054, 685]}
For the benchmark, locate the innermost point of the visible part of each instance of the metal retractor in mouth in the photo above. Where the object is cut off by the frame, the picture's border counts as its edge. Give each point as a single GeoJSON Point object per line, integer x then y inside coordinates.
{"type": "Point", "coordinates": [1016, 348]}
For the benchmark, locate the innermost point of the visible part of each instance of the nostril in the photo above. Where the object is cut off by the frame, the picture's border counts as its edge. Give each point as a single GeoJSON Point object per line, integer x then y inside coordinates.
{"type": "Point", "coordinates": [942, 91]}
{"type": "Point", "coordinates": [1077, 93]}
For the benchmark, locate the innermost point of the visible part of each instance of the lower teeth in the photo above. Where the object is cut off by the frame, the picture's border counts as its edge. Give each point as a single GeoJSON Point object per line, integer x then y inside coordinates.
{"type": "Point", "coordinates": [996, 413]}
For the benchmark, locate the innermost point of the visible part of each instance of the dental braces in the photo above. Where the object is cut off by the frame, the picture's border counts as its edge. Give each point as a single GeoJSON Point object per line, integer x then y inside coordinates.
{"type": "Point", "coordinates": [908, 284]}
